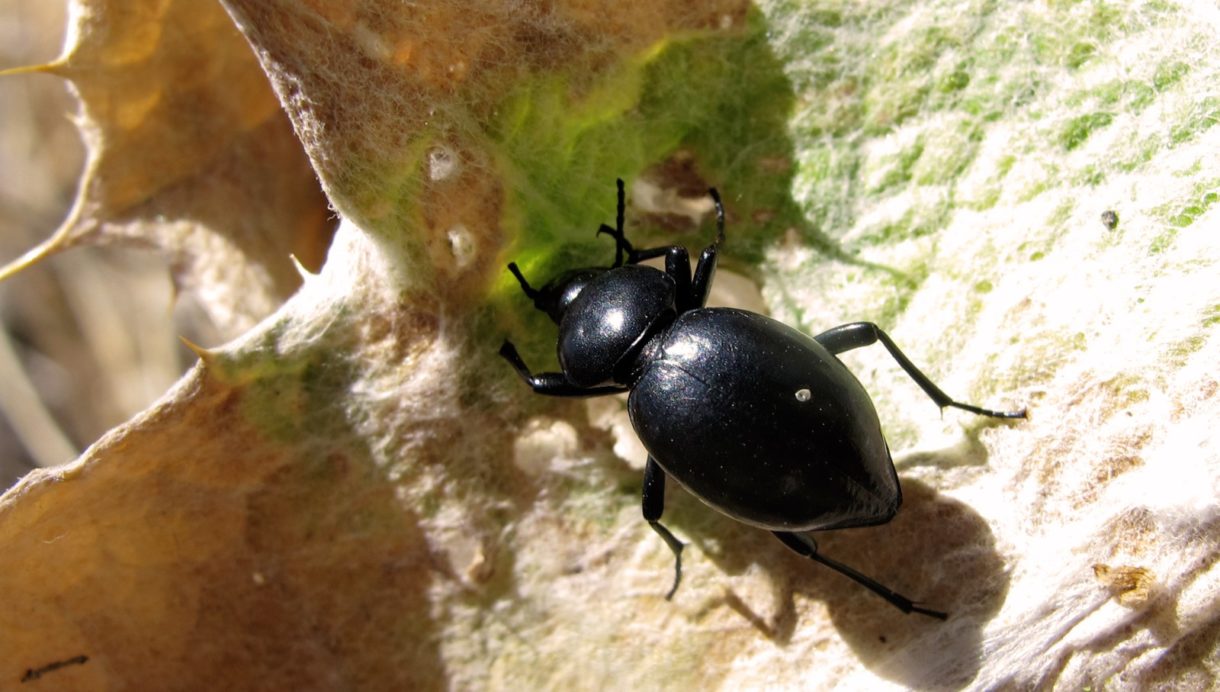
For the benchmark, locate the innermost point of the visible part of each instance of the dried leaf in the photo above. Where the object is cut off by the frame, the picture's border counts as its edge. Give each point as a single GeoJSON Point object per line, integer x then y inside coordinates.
{"type": "Point", "coordinates": [189, 152]}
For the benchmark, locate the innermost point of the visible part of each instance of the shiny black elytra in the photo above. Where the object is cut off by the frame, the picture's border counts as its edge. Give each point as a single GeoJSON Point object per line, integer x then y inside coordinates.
{"type": "Point", "coordinates": [755, 418]}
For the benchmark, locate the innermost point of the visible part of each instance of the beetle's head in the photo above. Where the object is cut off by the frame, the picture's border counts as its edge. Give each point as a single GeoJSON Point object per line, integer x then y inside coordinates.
{"type": "Point", "coordinates": [558, 294]}
{"type": "Point", "coordinates": [608, 321]}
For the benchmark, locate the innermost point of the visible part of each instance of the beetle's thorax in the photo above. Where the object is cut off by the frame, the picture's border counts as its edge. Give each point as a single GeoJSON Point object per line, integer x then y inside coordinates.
{"type": "Point", "coordinates": [609, 323]}
{"type": "Point", "coordinates": [558, 295]}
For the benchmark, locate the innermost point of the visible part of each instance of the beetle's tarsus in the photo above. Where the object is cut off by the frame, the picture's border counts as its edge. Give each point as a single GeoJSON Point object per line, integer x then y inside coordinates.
{"type": "Point", "coordinates": [929, 612]}
{"type": "Point", "coordinates": [808, 547]}
{"type": "Point", "coordinates": [652, 502]}
{"type": "Point", "coordinates": [985, 411]}
{"type": "Point", "coordinates": [676, 546]}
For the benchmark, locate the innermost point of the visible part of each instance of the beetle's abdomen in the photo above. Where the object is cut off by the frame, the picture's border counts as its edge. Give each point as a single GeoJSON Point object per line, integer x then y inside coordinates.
{"type": "Point", "coordinates": [764, 424]}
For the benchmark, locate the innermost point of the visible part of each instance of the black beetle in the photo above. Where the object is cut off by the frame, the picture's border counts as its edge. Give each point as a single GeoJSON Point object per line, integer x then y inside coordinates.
{"type": "Point", "coordinates": [757, 419]}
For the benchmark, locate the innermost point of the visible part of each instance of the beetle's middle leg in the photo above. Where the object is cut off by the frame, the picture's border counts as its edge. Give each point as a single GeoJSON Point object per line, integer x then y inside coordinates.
{"type": "Point", "coordinates": [857, 334]}
{"type": "Point", "coordinates": [692, 292]}
{"type": "Point", "coordinates": [654, 506]}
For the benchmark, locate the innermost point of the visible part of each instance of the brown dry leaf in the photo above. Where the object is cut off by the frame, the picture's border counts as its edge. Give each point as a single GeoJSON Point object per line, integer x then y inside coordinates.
{"type": "Point", "coordinates": [176, 554]}
{"type": "Point", "coordinates": [188, 152]}
{"type": "Point", "coordinates": [314, 505]}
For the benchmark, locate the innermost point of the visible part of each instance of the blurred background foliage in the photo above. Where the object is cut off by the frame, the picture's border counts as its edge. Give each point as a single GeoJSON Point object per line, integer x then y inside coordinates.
{"type": "Point", "coordinates": [90, 336]}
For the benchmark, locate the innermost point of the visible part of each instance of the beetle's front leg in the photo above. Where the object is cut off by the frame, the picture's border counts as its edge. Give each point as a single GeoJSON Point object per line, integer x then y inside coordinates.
{"type": "Point", "coordinates": [551, 383]}
{"type": "Point", "coordinates": [705, 271]}
{"type": "Point", "coordinates": [677, 265]}
{"type": "Point", "coordinates": [692, 293]}
{"type": "Point", "coordinates": [530, 291]}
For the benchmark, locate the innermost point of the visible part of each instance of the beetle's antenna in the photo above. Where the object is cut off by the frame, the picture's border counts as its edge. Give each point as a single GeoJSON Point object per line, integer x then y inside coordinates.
{"type": "Point", "coordinates": [620, 239]}
{"type": "Point", "coordinates": [622, 206]}
{"type": "Point", "coordinates": [621, 244]}
{"type": "Point", "coordinates": [525, 285]}
{"type": "Point", "coordinates": [719, 214]}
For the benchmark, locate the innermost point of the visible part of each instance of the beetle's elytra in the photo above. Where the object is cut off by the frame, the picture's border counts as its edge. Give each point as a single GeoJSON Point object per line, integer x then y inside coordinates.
{"type": "Point", "coordinates": [755, 418]}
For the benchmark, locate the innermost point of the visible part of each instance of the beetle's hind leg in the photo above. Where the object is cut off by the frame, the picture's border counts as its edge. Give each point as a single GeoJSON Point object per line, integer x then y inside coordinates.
{"type": "Point", "coordinates": [858, 334]}
{"type": "Point", "coordinates": [808, 547]}
{"type": "Point", "coordinates": [654, 506]}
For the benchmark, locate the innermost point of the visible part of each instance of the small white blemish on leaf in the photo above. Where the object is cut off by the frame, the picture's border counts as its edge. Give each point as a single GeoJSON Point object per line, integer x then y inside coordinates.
{"type": "Point", "coordinates": [651, 198]}
{"type": "Point", "coordinates": [371, 41]}
{"type": "Point", "coordinates": [461, 243]}
{"type": "Point", "coordinates": [442, 163]}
